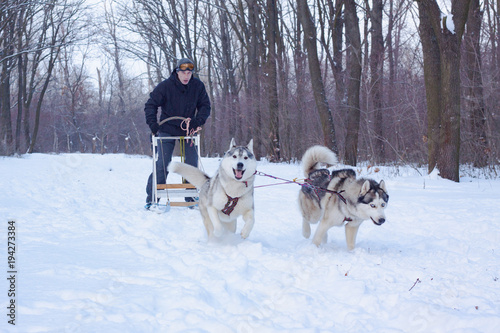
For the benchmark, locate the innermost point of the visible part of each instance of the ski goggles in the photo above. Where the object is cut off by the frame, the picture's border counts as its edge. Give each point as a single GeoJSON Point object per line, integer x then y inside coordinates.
{"type": "Point", "coordinates": [186, 67]}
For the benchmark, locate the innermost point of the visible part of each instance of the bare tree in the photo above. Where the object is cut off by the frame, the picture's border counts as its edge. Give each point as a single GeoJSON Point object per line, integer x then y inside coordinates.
{"type": "Point", "coordinates": [60, 25]}
{"type": "Point", "coordinates": [33, 34]}
{"type": "Point", "coordinates": [111, 23]}
{"type": "Point", "coordinates": [299, 67]}
{"type": "Point", "coordinates": [310, 44]}
{"type": "Point", "coordinates": [376, 78]}
{"type": "Point", "coordinates": [331, 20]}
{"type": "Point", "coordinates": [337, 25]}
{"type": "Point", "coordinates": [473, 97]}
{"type": "Point", "coordinates": [213, 144]}
{"type": "Point", "coordinates": [70, 79]}
{"type": "Point", "coordinates": [254, 74]}
{"type": "Point", "coordinates": [272, 31]}
{"type": "Point", "coordinates": [354, 58]}
{"type": "Point", "coordinates": [252, 56]}
{"type": "Point", "coordinates": [227, 70]}
{"type": "Point", "coordinates": [441, 38]}
{"type": "Point", "coordinates": [8, 19]}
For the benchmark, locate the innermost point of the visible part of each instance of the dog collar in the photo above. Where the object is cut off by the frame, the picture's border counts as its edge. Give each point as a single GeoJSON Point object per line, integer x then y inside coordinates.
{"type": "Point", "coordinates": [230, 204]}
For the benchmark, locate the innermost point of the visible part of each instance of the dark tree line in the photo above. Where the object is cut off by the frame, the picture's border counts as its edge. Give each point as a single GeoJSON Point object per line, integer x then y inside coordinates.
{"type": "Point", "coordinates": [379, 81]}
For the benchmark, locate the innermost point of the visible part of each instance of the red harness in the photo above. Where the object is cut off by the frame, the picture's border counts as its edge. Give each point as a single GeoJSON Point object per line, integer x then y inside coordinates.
{"type": "Point", "coordinates": [230, 205]}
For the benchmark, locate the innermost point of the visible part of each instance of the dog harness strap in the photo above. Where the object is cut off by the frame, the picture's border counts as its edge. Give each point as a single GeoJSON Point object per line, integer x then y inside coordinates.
{"type": "Point", "coordinates": [314, 188]}
{"type": "Point", "coordinates": [340, 196]}
{"type": "Point", "coordinates": [308, 183]}
{"type": "Point", "coordinates": [230, 204]}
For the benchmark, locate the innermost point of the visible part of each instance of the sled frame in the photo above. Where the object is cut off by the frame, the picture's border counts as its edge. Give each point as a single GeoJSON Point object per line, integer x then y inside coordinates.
{"type": "Point", "coordinates": [183, 190]}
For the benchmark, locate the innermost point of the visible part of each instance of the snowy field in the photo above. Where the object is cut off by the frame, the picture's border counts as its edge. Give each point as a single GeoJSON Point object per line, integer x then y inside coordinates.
{"type": "Point", "coordinates": [89, 258]}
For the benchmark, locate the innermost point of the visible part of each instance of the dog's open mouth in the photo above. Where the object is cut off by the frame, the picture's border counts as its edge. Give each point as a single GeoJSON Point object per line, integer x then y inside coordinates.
{"type": "Point", "coordinates": [238, 174]}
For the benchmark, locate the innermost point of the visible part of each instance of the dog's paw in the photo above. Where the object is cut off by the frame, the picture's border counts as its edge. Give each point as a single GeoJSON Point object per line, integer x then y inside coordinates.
{"type": "Point", "coordinates": [316, 243]}
{"type": "Point", "coordinates": [245, 232]}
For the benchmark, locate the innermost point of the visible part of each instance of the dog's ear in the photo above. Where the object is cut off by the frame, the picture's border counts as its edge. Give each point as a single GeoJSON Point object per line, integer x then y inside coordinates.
{"type": "Point", "coordinates": [382, 186]}
{"type": "Point", "coordinates": [250, 145]}
{"type": "Point", "coordinates": [365, 188]}
{"type": "Point", "coordinates": [232, 144]}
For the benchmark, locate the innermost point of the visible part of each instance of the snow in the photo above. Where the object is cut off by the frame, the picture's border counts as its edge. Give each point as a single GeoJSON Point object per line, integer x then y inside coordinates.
{"type": "Point", "coordinates": [446, 14]}
{"type": "Point", "coordinates": [89, 258]}
{"type": "Point", "coordinates": [448, 18]}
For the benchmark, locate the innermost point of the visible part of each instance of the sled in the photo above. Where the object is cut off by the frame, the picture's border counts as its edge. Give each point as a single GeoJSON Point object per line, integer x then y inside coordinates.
{"type": "Point", "coordinates": [174, 191]}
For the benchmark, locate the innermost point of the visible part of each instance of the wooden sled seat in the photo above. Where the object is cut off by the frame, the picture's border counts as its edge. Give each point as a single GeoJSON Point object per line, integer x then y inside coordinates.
{"type": "Point", "coordinates": [183, 204]}
{"type": "Point", "coordinates": [167, 186]}
{"type": "Point", "coordinates": [178, 190]}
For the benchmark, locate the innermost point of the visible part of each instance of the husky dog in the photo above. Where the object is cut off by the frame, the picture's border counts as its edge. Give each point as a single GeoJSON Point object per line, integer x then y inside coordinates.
{"type": "Point", "coordinates": [229, 193]}
{"type": "Point", "coordinates": [337, 198]}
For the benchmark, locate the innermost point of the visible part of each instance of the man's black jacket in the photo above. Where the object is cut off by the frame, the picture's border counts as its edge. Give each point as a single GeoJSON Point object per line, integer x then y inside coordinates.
{"type": "Point", "coordinates": [176, 99]}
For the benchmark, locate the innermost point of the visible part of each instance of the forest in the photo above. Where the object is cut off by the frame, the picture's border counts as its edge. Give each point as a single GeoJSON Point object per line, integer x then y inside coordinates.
{"type": "Point", "coordinates": [380, 82]}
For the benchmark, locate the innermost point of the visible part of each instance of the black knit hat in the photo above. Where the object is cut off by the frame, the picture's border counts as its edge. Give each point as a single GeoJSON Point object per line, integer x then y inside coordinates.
{"type": "Point", "coordinates": [183, 61]}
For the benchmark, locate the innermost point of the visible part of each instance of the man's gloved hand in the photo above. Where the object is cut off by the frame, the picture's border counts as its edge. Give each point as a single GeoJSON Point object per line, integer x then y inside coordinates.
{"type": "Point", "coordinates": [194, 124]}
{"type": "Point", "coordinates": [154, 128]}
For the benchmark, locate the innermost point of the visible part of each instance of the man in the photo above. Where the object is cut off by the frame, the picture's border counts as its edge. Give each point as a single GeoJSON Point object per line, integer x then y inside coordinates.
{"type": "Point", "coordinates": [180, 95]}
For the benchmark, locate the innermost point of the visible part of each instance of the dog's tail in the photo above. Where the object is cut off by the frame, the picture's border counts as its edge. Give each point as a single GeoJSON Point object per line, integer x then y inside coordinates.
{"type": "Point", "coordinates": [315, 155]}
{"type": "Point", "coordinates": [193, 175]}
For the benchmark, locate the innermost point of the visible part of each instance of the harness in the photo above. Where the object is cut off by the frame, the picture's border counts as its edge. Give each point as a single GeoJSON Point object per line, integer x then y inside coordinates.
{"type": "Point", "coordinates": [231, 202]}
{"type": "Point", "coordinates": [307, 184]}
{"type": "Point", "coordinates": [317, 190]}
{"type": "Point", "coordinates": [230, 205]}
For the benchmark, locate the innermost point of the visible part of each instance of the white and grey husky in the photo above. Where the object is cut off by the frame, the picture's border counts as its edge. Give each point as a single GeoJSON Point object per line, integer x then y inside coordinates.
{"type": "Point", "coordinates": [338, 198]}
{"type": "Point", "coordinates": [229, 193]}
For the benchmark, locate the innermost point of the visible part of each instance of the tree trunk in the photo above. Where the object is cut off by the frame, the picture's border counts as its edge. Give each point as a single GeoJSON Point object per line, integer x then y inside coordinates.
{"type": "Point", "coordinates": [353, 41]}
{"type": "Point", "coordinates": [338, 70]}
{"type": "Point", "coordinates": [449, 139]}
{"type": "Point", "coordinates": [474, 100]}
{"type": "Point", "coordinates": [448, 40]}
{"type": "Point", "coordinates": [253, 78]}
{"type": "Point", "coordinates": [300, 82]}
{"type": "Point", "coordinates": [377, 69]}
{"type": "Point", "coordinates": [325, 114]}
{"type": "Point", "coordinates": [213, 145]}
{"type": "Point", "coordinates": [21, 73]}
{"type": "Point", "coordinates": [230, 87]}
{"type": "Point", "coordinates": [36, 125]}
{"type": "Point", "coordinates": [272, 82]}
{"type": "Point", "coordinates": [6, 137]}
{"type": "Point", "coordinates": [7, 28]}
{"type": "Point", "coordinates": [225, 72]}
{"type": "Point", "coordinates": [432, 77]}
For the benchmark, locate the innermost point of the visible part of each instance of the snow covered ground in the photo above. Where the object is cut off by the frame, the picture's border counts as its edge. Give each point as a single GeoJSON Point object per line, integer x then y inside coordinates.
{"type": "Point", "coordinates": [89, 258]}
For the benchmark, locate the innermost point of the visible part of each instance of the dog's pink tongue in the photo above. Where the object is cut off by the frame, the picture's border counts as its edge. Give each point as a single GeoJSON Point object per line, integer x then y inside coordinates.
{"type": "Point", "coordinates": [238, 174]}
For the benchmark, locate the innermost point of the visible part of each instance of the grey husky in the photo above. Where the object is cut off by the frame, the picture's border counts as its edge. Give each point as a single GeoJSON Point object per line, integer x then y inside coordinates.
{"type": "Point", "coordinates": [228, 194]}
{"type": "Point", "coordinates": [337, 198]}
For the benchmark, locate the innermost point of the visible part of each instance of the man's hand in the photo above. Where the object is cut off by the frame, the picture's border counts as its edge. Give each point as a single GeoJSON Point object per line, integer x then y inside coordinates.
{"type": "Point", "coordinates": [154, 128]}
{"type": "Point", "coordinates": [194, 124]}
